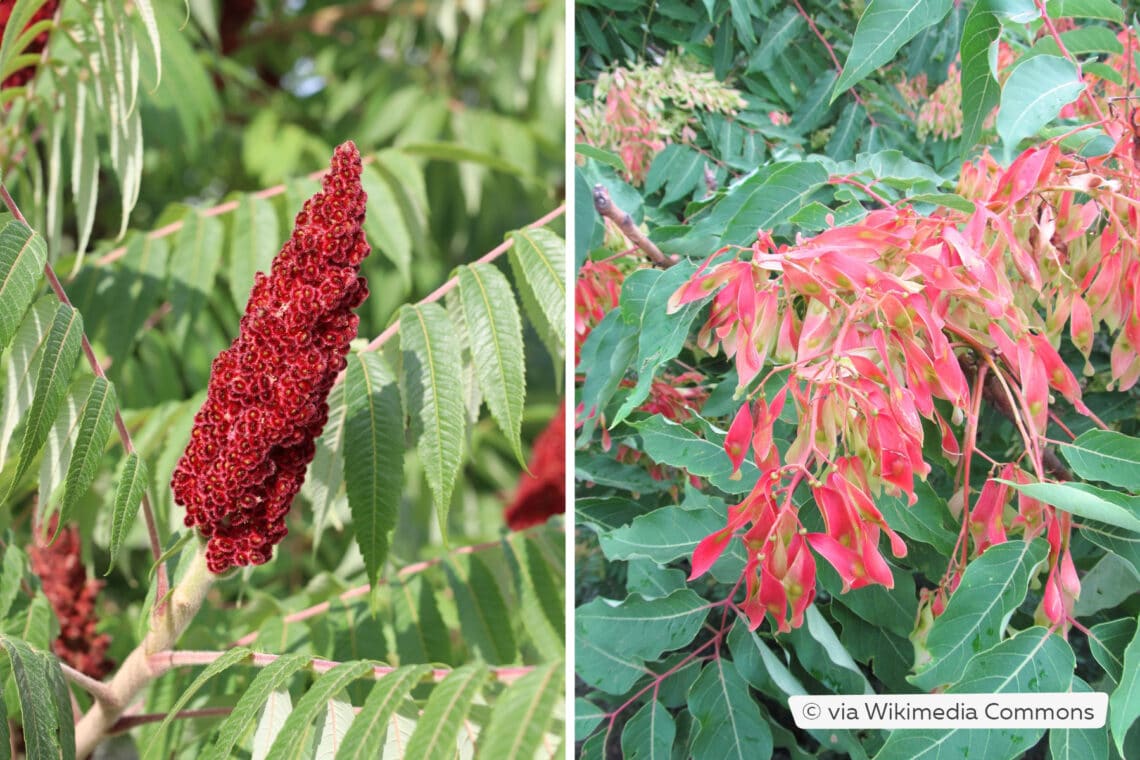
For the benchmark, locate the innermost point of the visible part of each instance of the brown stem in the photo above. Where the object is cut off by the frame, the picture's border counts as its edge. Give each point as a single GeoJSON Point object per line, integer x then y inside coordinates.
{"type": "Point", "coordinates": [605, 207]}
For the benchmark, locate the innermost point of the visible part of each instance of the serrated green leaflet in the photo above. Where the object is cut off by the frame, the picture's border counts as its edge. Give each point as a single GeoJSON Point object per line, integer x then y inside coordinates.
{"type": "Point", "coordinates": [729, 724]}
{"type": "Point", "coordinates": [1032, 661]}
{"type": "Point", "coordinates": [242, 718]}
{"type": "Point", "coordinates": [432, 387]}
{"type": "Point", "coordinates": [132, 485]}
{"type": "Point", "coordinates": [483, 614]}
{"type": "Point", "coordinates": [253, 244]}
{"type": "Point", "coordinates": [297, 732]}
{"type": "Point", "coordinates": [57, 359]}
{"type": "Point", "coordinates": [522, 714]}
{"type": "Point", "coordinates": [43, 699]}
{"type": "Point", "coordinates": [22, 258]}
{"type": "Point", "coordinates": [229, 658]}
{"type": "Point", "coordinates": [97, 419]}
{"type": "Point", "coordinates": [363, 738]}
{"type": "Point", "coordinates": [538, 260]}
{"type": "Point", "coordinates": [421, 635]}
{"type": "Point", "coordinates": [992, 586]}
{"type": "Point", "coordinates": [12, 566]}
{"type": "Point", "coordinates": [438, 727]}
{"type": "Point", "coordinates": [494, 330]}
{"type": "Point", "coordinates": [373, 456]}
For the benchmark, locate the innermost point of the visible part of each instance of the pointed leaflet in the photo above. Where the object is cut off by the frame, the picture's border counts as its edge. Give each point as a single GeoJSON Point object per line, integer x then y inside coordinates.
{"type": "Point", "coordinates": [649, 734]}
{"type": "Point", "coordinates": [1034, 94]}
{"type": "Point", "coordinates": [193, 266]}
{"type": "Point", "coordinates": [483, 615]}
{"type": "Point", "coordinates": [12, 566]}
{"type": "Point", "coordinates": [538, 260]}
{"type": "Point", "coordinates": [128, 494]}
{"type": "Point", "coordinates": [885, 26]}
{"type": "Point", "coordinates": [239, 721]}
{"type": "Point", "coordinates": [85, 167]}
{"type": "Point", "coordinates": [661, 336]}
{"type": "Point", "coordinates": [495, 334]}
{"type": "Point", "coordinates": [143, 270]}
{"type": "Point", "coordinates": [20, 369]}
{"type": "Point", "coordinates": [540, 597]}
{"type": "Point", "coordinates": [1112, 507]}
{"type": "Point", "coordinates": [1106, 455]}
{"type": "Point", "coordinates": [432, 372]}
{"type": "Point", "coordinates": [438, 728]}
{"type": "Point", "coordinates": [642, 629]}
{"type": "Point", "coordinates": [1032, 661]}
{"type": "Point", "coordinates": [17, 22]}
{"type": "Point", "coordinates": [43, 699]}
{"type": "Point", "coordinates": [980, 91]}
{"type": "Point", "coordinates": [729, 724]}
{"type": "Point", "coordinates": [297, 732]}
{"type": "Point", "coordinates": [373, 456]}
{"type": "Point", "coordinates": [1124, 704]}
{"type": "Point", "coordinates": [229, 657]}
{"type": "Point", "coordinates": [96, 420]}
{"type": "Point", "coordinates": [57, 448]}
{"type": "Point", "coordinates": [992, 587]}
{"type": "Point", "coordinates": [253, 244]}
{"type": "Point", "coordinates": [22, 258]}
{"type": "Point", "coordinates": [420, 632]}
{"type": "Point", "coordinates": [57, 358]}
{"type": "Point", "coordinates": [364, 736]}
{"type": "Point", "coordinates": [521, 715]}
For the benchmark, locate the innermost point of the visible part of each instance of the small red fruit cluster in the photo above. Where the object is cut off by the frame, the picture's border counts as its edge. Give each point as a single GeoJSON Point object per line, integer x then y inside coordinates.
{"type": "Point", "coordinates": [72, 595]}
{"type": "Point", "coordinates": [22, 76]}
{"type": "Point", "coordinates": [267, 398]}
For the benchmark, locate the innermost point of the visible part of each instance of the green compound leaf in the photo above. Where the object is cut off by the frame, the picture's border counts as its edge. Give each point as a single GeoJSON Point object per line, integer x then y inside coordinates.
{"type": "Point", "coordinates": [649, 734]}
{"type": "Point", "coordinates": [483, 615]}
{"type": "Point", "coordinates": [992, 587]}
{"type": "Point", "coordinates": [193, 266]}
{"type": "Point", "coordinates": [365, 735]}
{"type": "Point", "coordinates": [980, 90]}
{"type": "Point", "coordinates": [495, 333]}
{"type": "Point", "coordinates": [433, 392]}
{"type": "Point", "coordinates": [244, 714]}
{"type": "Point", "coordinates": [373, 456]}
{"type": "Point", "coordinates": [297, 731]}
{"type": "Point", "coordinates": [253, 244]}
{"type": "Point", "coordinates": [129, 492]}
{"type": "Point", "coordinates": [438, 728]}
{"type": "Point", "coordinates": [23, 254]}
{"type": "Point", "coordinates": [522, 714]}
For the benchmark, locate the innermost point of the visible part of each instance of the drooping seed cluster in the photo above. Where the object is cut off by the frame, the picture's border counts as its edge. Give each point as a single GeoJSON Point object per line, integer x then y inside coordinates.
{"type": "Point", "coordinates": [72, 595]}
{"type": "Point", "coordinates": [266, 402]}
{"type": "Point", "coordinates": [22, 76]}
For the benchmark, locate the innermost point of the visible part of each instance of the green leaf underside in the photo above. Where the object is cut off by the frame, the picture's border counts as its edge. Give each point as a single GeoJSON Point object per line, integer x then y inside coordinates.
{"type": "Point", "coordinates": [22, 258]}
{"type": "Point", "coordinates": [370, 725]}
{"type": "Point", "coordinates": [438, 728]}
{"type": "Point", "coordinates": [296, 733]}
{"type": "Point", "coordinates": [241, 719]}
